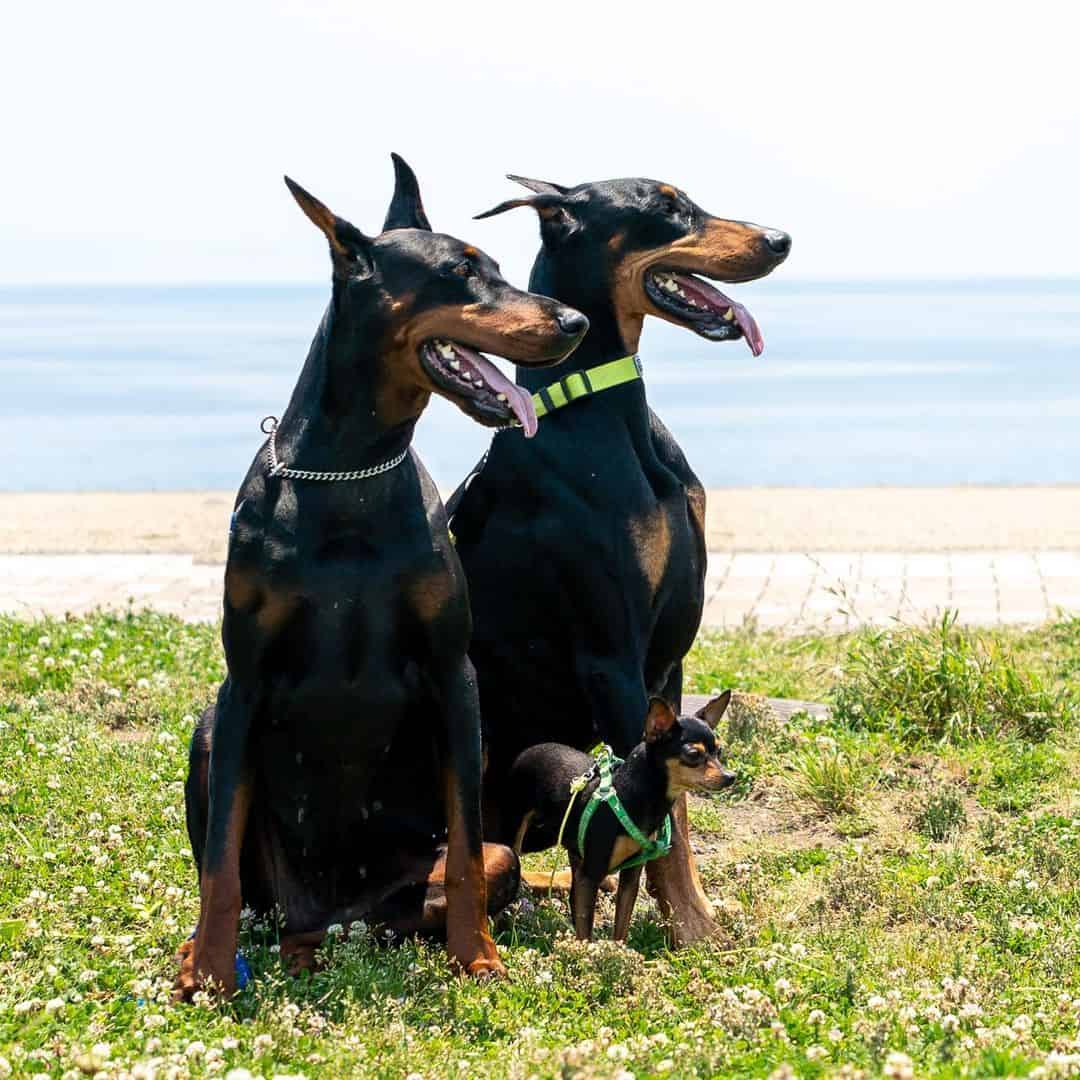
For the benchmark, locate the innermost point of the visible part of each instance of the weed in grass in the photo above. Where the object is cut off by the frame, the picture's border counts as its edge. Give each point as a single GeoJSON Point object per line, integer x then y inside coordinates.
{"type": "Point", "coordinates": [943, 682]}
{"type": "Point", "coordinates": [942, 813]}
{"type": "Point", "coordinates": [823, 774]}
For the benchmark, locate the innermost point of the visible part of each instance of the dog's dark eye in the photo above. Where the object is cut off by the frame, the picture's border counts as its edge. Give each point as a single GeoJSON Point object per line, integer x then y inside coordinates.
{"type": "Point", "coordinates": [464, 269]}
{"type": "Point", "coordinates": [693, 756]}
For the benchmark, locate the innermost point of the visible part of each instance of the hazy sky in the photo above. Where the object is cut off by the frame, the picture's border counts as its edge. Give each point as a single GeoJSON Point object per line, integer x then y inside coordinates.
{"type": "Point", "coordinates": [145, 141]}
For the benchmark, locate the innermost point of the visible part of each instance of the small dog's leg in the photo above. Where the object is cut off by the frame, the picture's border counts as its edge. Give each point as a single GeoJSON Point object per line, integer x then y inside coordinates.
{"type": "Point", "coordinates": [629, 881]}
{"type": "Point", "coordinates": [583, 904]}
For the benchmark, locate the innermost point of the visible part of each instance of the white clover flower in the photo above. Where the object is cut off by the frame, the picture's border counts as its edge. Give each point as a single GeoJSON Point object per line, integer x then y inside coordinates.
{"type": "Point", "coordinates": [835, 1035]}
{"type": "Point", "coordinates": [950, 1022]}
{"type": "Point", "coordinates": [816, 1053]}
{"type": "Point", "coordinates": [661, 1066]}
{"type": "Point", "coordinates": [783, 988]}
{"type": "Point", "coordinates": [1022, 1024]}
{"type": "Point", "coordinates": [618, 1052]}
{"type": "Point", "coordinates": [816, 1017]}
{"type": "Point", "coordinates": [239, 1074]}
{"type": "Point", "coordinates": [335, 930]}
{"type": "Point", "coordinates": [44, 641]}
{"type": "Point", "coordinates": [932, 1013]}
{"type": "Point", "coordinates": [876, 1002]}
{"type": "Point", "coordinates": [262, 1043]}
{"type": "Point", "coordinates": [970, 1010]}
{"type": "Point", "coordinates": [97, 654]}
{"type": "Point", "coordinates": [195, 1049]}
{"type": "Point", "coordinates": [898, 1066]}
{"type": "Point", "coordinates": [798, 949]}
{"type": "Point", "coordinates": [49, 662]}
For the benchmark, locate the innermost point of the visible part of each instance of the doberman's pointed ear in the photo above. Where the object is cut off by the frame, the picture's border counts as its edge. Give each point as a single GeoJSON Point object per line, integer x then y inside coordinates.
{"type": "Point", "coordinates": [541, 187]}
{"type": "Point", "coordinates": [558, 214]}
{"type": "Point", "coordinates": [406, 210]}
{"type": "Point", "coordinates": [659, 720]}
{"type": "Point", "coordinates": [712, 711]}
{"type": "Point", "coordinates": [349, 247]}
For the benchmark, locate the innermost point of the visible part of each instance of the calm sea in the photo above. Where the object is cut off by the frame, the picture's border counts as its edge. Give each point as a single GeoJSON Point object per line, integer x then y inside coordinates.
{"type": "Point", "coordinates": [911, 384]}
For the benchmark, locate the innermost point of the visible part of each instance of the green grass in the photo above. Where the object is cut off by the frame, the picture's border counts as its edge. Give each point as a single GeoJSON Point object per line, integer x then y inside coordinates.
{"type": "Point", "coordinates": [858, 923]}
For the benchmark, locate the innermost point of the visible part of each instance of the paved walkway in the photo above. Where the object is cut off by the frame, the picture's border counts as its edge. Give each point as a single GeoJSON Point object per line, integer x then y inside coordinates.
{"type": "Point", "coordinates": [827, 590]}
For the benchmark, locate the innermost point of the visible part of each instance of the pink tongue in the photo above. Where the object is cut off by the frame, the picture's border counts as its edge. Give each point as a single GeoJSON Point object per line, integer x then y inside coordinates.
{"type": "Point", "coordinates": [716, 300]}
{"type": "Point", "coordinates": [519, 400]}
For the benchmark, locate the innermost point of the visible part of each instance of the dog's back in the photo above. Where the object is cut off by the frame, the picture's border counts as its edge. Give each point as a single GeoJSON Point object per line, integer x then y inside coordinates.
{"type": "Point", "coordinates": [538, 789]}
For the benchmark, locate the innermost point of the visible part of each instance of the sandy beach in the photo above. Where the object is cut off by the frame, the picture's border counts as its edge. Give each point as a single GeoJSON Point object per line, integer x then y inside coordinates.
{"type": "Point", "coordinates": [739, 519]}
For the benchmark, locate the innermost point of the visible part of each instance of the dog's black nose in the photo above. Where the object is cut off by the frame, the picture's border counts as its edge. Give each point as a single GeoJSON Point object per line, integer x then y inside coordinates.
{"type": "Point", "coordinates": [779, 243]}
{"type": "Point", "coordinates": [571, 321]}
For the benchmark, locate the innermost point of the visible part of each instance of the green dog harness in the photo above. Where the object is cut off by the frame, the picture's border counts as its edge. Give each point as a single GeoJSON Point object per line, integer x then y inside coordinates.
{"type": "Point", "coordinates": [605, 793]}
{"type": "Point", "coordinates": [581, 384]}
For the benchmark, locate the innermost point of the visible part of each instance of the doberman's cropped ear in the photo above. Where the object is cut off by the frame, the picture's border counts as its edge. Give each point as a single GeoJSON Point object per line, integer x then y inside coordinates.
{"type": "Point", "coordinates": [659, 720]}
{"type": "Point", "coordinates": [406, 210]}
{"type": "Point", "coordinates": [541, 187]}
{"type": "Point", "coordinates": [712, 711]}
{"type": "Point", "coordinates": [349, 247]}
{"type": "Point", "coordinates": [558, 214]}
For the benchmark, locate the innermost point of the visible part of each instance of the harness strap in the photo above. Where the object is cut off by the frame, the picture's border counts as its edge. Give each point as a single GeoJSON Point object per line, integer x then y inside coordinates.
{"type": "Point", "coordinates": [581, 384]}
{"type": "Point", "coordinates": [605, 793]}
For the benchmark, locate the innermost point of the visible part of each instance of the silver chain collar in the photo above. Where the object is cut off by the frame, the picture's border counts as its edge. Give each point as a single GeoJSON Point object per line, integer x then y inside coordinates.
{"type": "Point", "coordinates": [277, 468]}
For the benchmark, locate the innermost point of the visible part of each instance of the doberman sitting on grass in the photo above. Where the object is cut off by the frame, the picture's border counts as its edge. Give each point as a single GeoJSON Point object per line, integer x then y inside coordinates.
{"type": "Point", "coordinates": [585, 549]}
{"type": "Point", "coordinates": [338, 776]}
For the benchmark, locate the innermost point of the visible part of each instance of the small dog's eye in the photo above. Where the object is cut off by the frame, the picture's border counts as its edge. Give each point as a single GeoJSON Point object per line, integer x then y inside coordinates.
{"type": "Point", "coordinates": [463, 268]}
{"type": "Point", "coordinates": [693, 756]}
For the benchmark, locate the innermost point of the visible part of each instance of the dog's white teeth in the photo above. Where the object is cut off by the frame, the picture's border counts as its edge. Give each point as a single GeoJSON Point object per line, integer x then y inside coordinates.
{"type": "Point", "coordinates": [670, 286]}
{"type": "Point", "coordinates": [503, 398]}
{"type": "Point", "coordinates": [455, 365]}
{"type": "Point", "coordinates": [729, 315]}
{"type": "Point", "coordinates": [447, 351]}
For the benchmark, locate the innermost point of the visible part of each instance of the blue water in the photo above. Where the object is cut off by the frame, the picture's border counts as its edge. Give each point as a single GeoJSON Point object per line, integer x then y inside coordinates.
{"type": "Point", "coordinates": [162, 388]}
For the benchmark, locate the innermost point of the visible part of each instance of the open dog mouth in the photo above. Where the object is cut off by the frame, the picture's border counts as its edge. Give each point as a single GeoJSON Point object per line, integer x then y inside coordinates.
{"type": "Point", "coordinates": [474, 382]}
{"type": "Point", "coordinates": [702, 308]}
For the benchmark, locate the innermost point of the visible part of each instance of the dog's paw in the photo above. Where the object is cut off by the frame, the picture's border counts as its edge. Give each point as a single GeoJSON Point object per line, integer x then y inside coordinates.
{"type": "Point", "coordinates": [191, 978]}
{"type": "Point", "coordinates": [486, 968]}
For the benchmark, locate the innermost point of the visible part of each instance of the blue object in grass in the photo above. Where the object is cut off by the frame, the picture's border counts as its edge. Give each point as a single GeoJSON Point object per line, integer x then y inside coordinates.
{"type": "Point", "coordinates": [243, 968]}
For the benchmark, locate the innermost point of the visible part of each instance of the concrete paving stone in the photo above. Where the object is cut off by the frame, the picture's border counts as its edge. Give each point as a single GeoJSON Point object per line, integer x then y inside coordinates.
{"type": "Point", "coordinates": [790, 565]}
{"type": "Point", "coordinates": [1016, 567]}
{"type": "Point", "coordinates": [747, 564]}
{"type": "Point", "coordinates": [880, 564]}
{"type": "Point", "coordinates": [927, 565]}
{"type": "Point", "coordinates": [1059, 564]}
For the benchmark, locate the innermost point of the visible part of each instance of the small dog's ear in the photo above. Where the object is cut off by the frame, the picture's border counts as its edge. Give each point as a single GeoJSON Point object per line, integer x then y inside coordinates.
{"type": "Point", "coordinates": [349, 247]}
{"type": "Point", "coordinates": [406, 210]}
{"type": "Point", "coordinates": [659, 720]}
{"type": "Point", "coordinates": [541, 187]}
{"type": "Point", "coordinates": [558, 216]}
{"type": "Point", "coordinates": [712, 711]}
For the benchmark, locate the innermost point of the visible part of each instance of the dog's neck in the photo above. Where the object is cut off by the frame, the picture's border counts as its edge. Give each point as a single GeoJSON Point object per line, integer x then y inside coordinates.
{"type": "Point", "coordinates": [641, 784]}
{"type": "Point", "coordinates": [623, 406]}
{"type": "Point", "coordinates": [337, 419]}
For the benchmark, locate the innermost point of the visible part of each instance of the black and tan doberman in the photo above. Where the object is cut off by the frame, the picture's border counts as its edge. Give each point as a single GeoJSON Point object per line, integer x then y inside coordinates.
{"type": "Point", "coordinates": [585, 548]}
{"type": "Point", "coordinates": [338, 776]}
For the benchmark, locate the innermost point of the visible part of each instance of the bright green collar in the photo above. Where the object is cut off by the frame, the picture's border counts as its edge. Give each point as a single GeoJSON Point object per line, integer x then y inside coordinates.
{"type": "Point", "coordinates": [605, 793]}
{"type": "Point", "coordinates": [579, 384]}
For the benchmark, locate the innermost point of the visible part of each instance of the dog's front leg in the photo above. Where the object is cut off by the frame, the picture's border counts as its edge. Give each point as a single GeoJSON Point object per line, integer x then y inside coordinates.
{"type": "Point", "coordinates": [468, 939]}
{"type": "Point", "coordinates": [210, 959]}
{"type": "Point", "coordinates": [625, 898]}
{"type": "Point", "coordinates": [674, 883]}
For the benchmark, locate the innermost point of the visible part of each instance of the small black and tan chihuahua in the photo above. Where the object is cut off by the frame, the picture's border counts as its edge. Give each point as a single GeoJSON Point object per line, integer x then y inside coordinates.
{"type": "Point", "coordinates": [678, 754]}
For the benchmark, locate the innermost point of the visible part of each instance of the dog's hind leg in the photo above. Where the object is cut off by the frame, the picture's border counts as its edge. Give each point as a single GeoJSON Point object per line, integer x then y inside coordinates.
{"type": "Point", "coordinates": [674, 883]}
